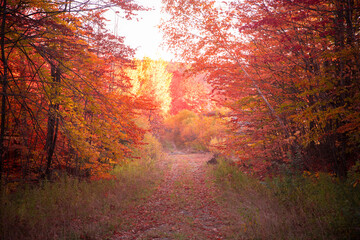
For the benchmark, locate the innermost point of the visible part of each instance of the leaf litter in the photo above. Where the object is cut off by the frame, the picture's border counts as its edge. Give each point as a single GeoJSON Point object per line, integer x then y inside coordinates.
{"type": "Point", "coordinates": [183, 206]}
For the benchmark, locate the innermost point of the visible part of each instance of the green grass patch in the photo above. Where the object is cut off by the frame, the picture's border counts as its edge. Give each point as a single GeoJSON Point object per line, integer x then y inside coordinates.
{"type": "Point", "coordinates": [324, 200]}
{"type": "Point", "coordinates": [309, 206]}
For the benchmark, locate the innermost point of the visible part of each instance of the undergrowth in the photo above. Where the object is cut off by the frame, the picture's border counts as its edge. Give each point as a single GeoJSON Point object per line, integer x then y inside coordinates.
{"type": "Point", "coordinates": [77, 209]}
{"type": "Point", "coordinates": [307, 206]}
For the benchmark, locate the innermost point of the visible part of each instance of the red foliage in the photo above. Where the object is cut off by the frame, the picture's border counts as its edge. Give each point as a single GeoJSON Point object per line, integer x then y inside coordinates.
{"type": "Point", "coordinates": [280, 68]}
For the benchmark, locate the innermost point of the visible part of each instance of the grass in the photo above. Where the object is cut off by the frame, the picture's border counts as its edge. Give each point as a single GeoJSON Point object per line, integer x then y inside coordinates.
{"type": "Point", "coordinates": [309, 206]}
{"type": "Point", "coordinates": [73, 209]}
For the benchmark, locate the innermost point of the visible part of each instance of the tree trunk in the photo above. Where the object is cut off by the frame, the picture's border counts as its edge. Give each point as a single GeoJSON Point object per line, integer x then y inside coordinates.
{"type": "Point", "coordinates": [4, 83]}
{"type": "Point", "coordinates": [53, 120]}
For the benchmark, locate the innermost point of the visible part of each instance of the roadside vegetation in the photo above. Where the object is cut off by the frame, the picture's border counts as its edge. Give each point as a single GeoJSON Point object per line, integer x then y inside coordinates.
{"type": "Point", "coordinates": [307, 206]}
{"type": "Point", "coordinates": [74, 208]}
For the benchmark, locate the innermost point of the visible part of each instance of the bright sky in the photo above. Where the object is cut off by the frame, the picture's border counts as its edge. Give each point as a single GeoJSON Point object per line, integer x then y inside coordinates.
{"type": "Point", "coordinates": [144, 33]}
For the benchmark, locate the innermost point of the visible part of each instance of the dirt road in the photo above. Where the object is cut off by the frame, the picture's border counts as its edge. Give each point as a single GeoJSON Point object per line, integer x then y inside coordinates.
{"type": "Point", "coordinates": [183, 206]}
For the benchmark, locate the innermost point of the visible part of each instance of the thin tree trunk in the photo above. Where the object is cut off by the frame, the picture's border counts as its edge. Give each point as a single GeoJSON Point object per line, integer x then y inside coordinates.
{"type": "Point", "coordinates": [53, 120]}
{"type": "Point", "coordinates": [4, 84]}
{"type": "Point", "coordinates": [343, 39]}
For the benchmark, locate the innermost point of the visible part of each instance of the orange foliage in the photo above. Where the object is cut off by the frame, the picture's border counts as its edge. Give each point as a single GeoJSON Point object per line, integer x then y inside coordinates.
{"type": "Point", "coordinates": [189, 130]}
{"type": "Point", "coordinates": [64, 108]}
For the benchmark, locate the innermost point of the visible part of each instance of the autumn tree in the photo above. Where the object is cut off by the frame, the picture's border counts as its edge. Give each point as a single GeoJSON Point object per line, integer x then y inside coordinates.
{"type": "Point", "coordinates": [62, 105]}
{"type": "Point", "coordinates": [287, 69]}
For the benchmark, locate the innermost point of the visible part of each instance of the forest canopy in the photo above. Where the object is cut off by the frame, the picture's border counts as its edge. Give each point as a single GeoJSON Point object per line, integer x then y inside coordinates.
{"type": "Point", "coordinates": [267, 84]}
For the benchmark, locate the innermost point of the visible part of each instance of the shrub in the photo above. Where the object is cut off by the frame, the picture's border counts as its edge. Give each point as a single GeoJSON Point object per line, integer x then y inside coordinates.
{"type": "Point", "coordinates": [193, 131]}
{"type": "Point", "coordinates": [151, 150]}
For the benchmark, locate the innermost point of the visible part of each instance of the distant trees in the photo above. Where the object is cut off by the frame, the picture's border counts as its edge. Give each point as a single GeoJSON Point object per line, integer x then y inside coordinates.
{"type": "Point", "coordinates": [194, 131]}
{"type": "Point", "coordinates": [288, 70]}
{"type": "Point", "coordinates": [189, 91]}
{"type": "Point", "coordinates": [151, 81]}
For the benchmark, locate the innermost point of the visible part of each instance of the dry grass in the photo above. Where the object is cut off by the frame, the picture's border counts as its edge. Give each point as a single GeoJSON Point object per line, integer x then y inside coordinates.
{"type": "Point", "coordinates": [279, 210]}
{"type": "Point", "coordinates": [73, 209]}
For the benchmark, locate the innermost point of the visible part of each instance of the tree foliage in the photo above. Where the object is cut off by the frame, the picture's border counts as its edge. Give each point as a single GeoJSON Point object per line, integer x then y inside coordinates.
{"type": "Point", "coordinates": [63, 106]}
{"type": "Point", "coordinates": [188, 90]}
{"type": "Point", "coordinates": [288, 70]}
{"type": "Point", "coordinates": [151, 81]}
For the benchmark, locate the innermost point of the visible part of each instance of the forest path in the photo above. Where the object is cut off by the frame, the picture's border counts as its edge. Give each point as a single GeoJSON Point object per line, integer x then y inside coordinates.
{"type": "Point", "coordinates": [183, 206]}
